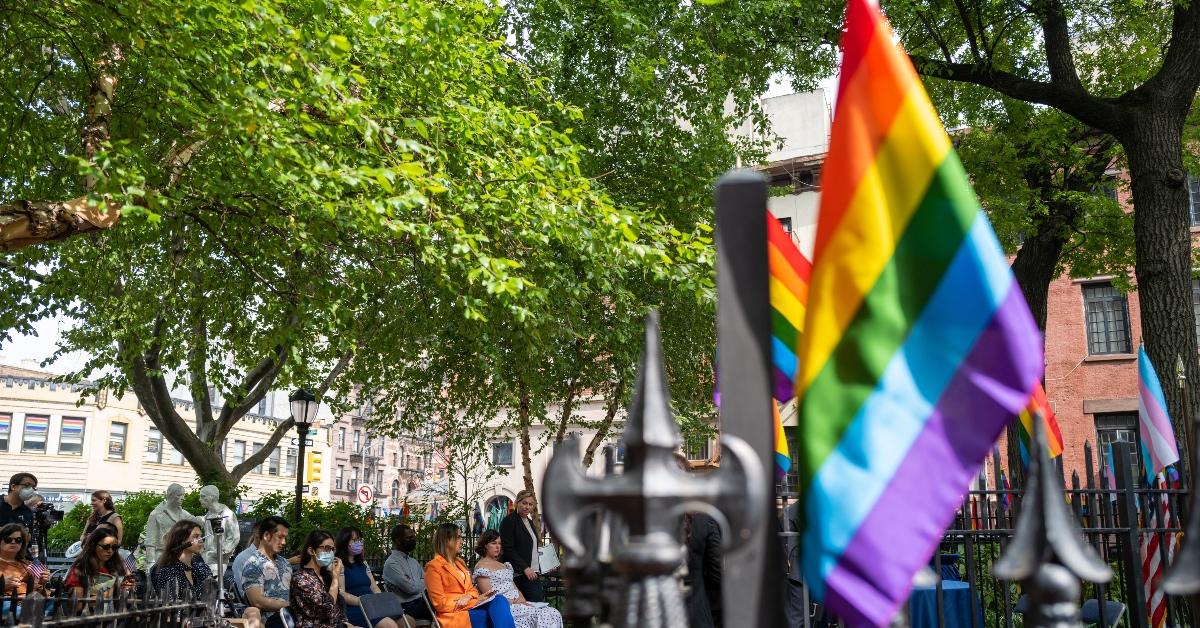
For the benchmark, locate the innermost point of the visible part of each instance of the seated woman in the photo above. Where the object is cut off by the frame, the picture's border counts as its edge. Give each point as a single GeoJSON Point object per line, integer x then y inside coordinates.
{"type": "Point", "coordinates": [15, 567]}
{"type": "Point", "coordinates": [455, 600]}
{"type": "Point", "coordinates": [357, 579]}
{"type": "Point", "coordinates": [181, 565]}
{"type": "Point", "coordinates": [491, 574]}
{"type": "Point", "coordinates": [99, 571]}
{"type": "Point", "coordinates": [316, 585]}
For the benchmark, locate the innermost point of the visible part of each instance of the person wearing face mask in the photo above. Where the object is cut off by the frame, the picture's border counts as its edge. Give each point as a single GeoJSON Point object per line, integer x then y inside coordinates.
{"type": "Point", "coordinates": [21, 488]}
{"type": "Point", "coordinates": [181, 565]}
{"type": "Point", "coordinates": [316, 586]}
{"type": "Point", "coordinates": [404, 573]}
{"type": "Point", "coordinates": [357, 579]}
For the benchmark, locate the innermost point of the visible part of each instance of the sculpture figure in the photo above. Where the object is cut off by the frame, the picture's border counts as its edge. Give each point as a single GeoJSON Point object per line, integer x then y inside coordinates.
{"type": "Point", "coordinates": [210, 498]}
{"type": "Point", "coordinates": [165, 515]}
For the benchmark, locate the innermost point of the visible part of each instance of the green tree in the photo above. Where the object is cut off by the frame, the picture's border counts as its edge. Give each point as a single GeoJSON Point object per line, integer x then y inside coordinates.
{"type": "Point", "coordinates": [312, 193]}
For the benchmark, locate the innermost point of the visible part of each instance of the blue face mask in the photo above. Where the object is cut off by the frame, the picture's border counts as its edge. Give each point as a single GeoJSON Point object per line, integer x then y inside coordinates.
{"type": "Point", "coordinates": [325, 559]}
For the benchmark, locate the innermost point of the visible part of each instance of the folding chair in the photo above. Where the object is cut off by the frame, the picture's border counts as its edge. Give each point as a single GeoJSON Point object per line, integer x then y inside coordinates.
{"type": "Point", "coordinates": [376, 606]}
{"type": "Point", "coordinates": [1113, 611]}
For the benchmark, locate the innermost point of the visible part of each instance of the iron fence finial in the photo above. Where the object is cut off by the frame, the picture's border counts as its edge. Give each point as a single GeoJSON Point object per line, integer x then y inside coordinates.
{"type": "Point", "coordinates": [1048, 552]}
{"type": "Point", "coordinates": [651, 496]}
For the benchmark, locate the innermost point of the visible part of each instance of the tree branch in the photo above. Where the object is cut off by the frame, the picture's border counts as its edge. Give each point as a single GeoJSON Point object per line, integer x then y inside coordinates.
{"type": "Point", "coordinates": [25, 223]}
{"type": "Point", "coordinates": [198, 362]}
{"type": "Point", "coordinates": [1179, 75]}
{"type": "Point", "coordinates": [1057, 36]}
{"type": "Point", "coordinates": [261, 455]}
{"type": "Point", "coordinates": [337, 369]}
{"type": "Point", "coordinates": [610, 415]}
{"type": "Point", "coordinates": [257, 384]}
{"type": "Point", "coordinates": [1100, 113]}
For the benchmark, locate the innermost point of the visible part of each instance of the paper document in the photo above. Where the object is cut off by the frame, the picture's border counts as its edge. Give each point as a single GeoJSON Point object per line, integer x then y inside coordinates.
{"type": "Point", "coordinates": [547, 559]}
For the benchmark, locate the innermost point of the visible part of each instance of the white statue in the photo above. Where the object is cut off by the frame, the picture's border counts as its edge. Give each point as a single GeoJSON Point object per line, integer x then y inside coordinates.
{"type": "Point", "coordinates": [210, 498]}
{"type": "Point", "coordinates": [165, 515]}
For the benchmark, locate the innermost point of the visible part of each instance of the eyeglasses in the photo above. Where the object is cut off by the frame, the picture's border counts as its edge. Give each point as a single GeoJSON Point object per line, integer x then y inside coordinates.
{"type": "Point", "coordinates": [108, 547]}
{"type": "Point", "coordinates": [327, 548]}
{"type": "Point", "coordinates": [16, 540]}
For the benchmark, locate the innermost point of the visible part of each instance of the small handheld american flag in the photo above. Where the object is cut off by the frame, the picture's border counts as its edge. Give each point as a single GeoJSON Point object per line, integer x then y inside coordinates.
{"type": "Point", "coordinates": [37, 570]}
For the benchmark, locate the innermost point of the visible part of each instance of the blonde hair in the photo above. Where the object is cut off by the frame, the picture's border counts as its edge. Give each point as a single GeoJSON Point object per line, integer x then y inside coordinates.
{"type": "Point", "coordinates": [523, 494]}
{"type": "Point", "coordinates": [442, 536]}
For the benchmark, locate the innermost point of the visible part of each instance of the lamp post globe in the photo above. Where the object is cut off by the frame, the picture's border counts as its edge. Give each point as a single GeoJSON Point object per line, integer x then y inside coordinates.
{"type": "Point", "coordinates": [303, 406]}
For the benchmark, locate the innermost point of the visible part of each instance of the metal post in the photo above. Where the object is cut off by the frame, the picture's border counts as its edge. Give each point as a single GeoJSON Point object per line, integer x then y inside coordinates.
{"type": "Point", "coordinates": [1131, 545]}
{"type": "Point", "coordinates": [302, 428]}
{"type": "Point", "coordinates": [754, 587]}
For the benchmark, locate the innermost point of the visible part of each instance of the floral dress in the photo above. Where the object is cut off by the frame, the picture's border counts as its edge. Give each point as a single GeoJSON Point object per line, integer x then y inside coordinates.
{"type": "Point", "coordinates": [312, 606]}
{"type": "Point", "coordinates": [524, 615]}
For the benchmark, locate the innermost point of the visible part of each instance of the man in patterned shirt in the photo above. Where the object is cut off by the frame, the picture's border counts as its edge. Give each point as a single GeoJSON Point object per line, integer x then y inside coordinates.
{"type": "Point", "coordinates": [266, 576]}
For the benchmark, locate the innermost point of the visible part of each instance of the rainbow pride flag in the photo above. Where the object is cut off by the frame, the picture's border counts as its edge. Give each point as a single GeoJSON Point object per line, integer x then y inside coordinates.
{"type": "Point", "coordinates": [790, 274]}
{"type": "Point", "coordinates": [1038, 406]}
{"type": "Point", "coordinates": [918, 348]}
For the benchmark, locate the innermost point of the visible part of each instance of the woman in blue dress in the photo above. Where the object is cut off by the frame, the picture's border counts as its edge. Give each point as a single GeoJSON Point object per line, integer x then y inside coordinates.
{"type": "Point", "coordinates": [357, 579]}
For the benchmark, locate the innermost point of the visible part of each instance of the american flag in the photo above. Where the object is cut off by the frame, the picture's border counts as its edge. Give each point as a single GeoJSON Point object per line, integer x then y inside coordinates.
{"type": "Point", "coordinates": [37, 570]}
{"type": "Point", "coordinates": [1153, 558]}
{"type": "Point", "coordinates": [130, 563]}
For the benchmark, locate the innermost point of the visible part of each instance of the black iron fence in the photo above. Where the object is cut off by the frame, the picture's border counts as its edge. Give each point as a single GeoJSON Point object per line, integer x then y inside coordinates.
{"type": "Point", "coordinates": [176, 609]}
{"type": "Point", "coordinates": [1134, 526]}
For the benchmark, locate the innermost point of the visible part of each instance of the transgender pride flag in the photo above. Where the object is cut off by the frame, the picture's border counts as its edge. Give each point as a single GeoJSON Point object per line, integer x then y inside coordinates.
{"type": "Point", "coordinates": [1158, 439]}
{"type": "Point", "coordinates": [918, 347]}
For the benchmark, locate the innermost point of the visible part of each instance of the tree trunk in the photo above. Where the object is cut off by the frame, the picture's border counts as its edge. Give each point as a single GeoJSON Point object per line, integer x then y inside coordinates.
{"type": "Point", "coordinates": [1153, 141]}
{"type": "Point", "coordinates": [610, 415]}
{"type": "Point", "coordinates": [25, 223]}
{"type": "Point", "coordinates": [523, 424]}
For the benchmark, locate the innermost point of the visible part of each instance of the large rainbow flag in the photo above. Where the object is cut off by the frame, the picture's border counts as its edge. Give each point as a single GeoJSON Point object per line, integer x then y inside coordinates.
{"type": "Point", "coordinates": [918, 347]}
{"type": "Point", "coordinates": [790, 274]}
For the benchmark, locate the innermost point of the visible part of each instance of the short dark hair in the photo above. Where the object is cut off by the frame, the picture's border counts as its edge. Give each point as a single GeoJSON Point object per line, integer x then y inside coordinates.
{"type": "Point", "coordinates": [398, 531]}
{"type": "Point", "coordinates": [270, 525]}
{"type": "Point", "coordinates": [20, 477]}
{"type": "Point", "coordinates": [485, 539]}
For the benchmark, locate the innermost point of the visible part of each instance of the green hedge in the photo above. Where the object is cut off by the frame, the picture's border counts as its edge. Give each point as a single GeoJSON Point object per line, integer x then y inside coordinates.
{"type": "Point", "coordinates": [134, 509]}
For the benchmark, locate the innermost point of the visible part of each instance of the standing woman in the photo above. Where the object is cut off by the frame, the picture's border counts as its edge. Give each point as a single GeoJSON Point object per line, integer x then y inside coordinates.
{"type": "Point", "coordinates": [316, 586]}
{"type": "Point", "coordinates": [356, 578]}
{"type": "Point", "coordinates": [181, 565]}
{"type": "Point", "coordinates": [103, 513]}
{"type": "Point", "coordinates": [519, 543]}
{"type": "Point", "coordinates": [451, 593]}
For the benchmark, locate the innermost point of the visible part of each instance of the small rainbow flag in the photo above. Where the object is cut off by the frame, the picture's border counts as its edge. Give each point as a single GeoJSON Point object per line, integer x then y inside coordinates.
{"type": "Point", "coordinates": [1038, 406]}
{"type": "Point", "coordinates": [790, 272]}
{"type": "Point", "coordinates": [918, 347]}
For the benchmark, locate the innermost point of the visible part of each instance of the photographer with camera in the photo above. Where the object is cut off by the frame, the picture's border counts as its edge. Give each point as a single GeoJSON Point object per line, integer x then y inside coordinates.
{"type": "Point", "coordinates": [22, 487]}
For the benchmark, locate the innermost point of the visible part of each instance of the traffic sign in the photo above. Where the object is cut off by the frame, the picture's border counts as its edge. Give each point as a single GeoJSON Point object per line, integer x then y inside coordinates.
{"type": "Point", "coordinates": [365, 494]}
{"type": "Point", "coordinates": [307, 442]}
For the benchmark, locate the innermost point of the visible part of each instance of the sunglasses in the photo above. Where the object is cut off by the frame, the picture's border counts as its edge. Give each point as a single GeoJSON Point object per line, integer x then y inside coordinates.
{"type": "Point", "coordinates": [108, 547]}
{"type": "Point", "coordinates": [16, 540]}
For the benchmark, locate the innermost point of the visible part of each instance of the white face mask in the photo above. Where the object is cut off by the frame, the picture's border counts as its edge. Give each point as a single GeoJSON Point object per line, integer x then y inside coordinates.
{"type": "Point", "coordinates": [26, 493]}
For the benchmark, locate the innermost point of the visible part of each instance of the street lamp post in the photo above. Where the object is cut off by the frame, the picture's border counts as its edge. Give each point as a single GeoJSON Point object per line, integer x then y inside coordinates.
{"type": "Point", "coordinates": [303, 406]}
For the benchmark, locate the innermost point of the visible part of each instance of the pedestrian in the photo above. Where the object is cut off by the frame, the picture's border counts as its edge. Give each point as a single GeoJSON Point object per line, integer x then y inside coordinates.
{"type": "Point", "coordinates": [103, 512]}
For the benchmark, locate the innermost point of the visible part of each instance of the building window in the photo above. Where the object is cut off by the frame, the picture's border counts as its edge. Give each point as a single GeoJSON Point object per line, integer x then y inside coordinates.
{"type": "Point", "coordinates": [273, 462]}
{"type": "Point", "coordinates": [176, 455]}
{"type": "Point", "coordinates": [154, 441]}
{"type": "Point", "coordinates": [116, 440]}
{"type": "Point", "coordinates": [1194, 199]}
{"type": "Point", "coordinates": [395, 491]}
{"type": "Point", "coordinates": [357, 440]}
{"type": "Point", "coordinates": [1119, 427]}
{"type": "Point", "coordinates": [502, 454]}
{"type": "Point", "coordinates": [255, 448]}
{"type": "Point", "coordinates": [289, 462]}
{"type": "Point", "coordinates": [498, 503]}
{"type": "Point", "coordinates": [342, 438]}
{"type": "Point", "coordinates": [698, 449]}
{"type": "Point", "coordinates": [395, 459]}
{"type": "Point", "coordinates": [5, 430]}
{"type": "Point", "coordinates": [262, 406]}
{"type": "Point", "coordinates": [70, 437]}
{"type": "Point", "coordinates": [353, 479]}
{"type": "Point", "coordinates": [34, 438]}
{"type": "Point", "coordinates": [239, 453]}
{"type": "Point", "coordinates": [786, 223]}
{"type": "Point", "coordinates": [428, 460]}
{"type": "Point", "coordinates": [1107, 319]}
{"type": "Point", "coordinates": [617, 451]}
{"type": "Point", "coordinates": [379, 479]}
{"type": "Point", "coordinates": [337, 479]}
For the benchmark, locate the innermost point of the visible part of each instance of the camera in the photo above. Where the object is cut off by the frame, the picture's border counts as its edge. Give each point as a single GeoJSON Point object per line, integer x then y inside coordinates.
{"type": "Point", "coordinates": [47, 515]}
{"type": "Point", "coordinates": [216, 524]}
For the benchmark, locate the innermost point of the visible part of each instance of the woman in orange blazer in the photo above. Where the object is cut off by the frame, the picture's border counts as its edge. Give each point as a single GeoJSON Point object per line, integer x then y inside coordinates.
{"type": "Point", "coordinates": [455, 600]}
